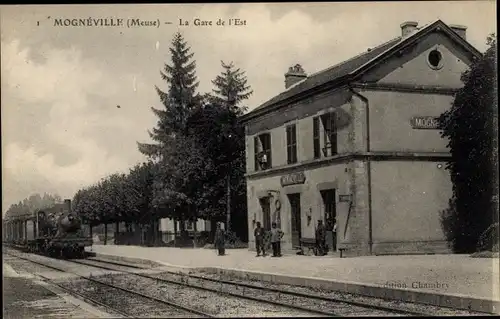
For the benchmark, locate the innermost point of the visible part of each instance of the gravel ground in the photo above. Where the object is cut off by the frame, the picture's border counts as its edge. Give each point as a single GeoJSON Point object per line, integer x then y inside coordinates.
{"type": "Point", "coordinates": [440, 311]}
{"type": "Point", "coordinates": [213, 303]}
{"type": "Point", "coordinates": [339, 309]}
{"type": "Point", "coordinates": [131, 304]}
{"type": "Point", "coordinates": [26, 266]}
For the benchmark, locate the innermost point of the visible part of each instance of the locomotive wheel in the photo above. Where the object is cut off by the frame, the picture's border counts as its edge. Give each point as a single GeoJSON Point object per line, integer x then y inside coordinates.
{"type": "Point", "coordinates": [81, 252]}
{"type": "Point", "coordinates": [68, 252]}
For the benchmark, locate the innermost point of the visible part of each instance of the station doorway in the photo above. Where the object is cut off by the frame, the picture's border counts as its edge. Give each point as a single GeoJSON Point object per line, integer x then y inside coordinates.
{"type": "Point", "coordinates": [266, 213]}
{"type": "Point", "coordinates": [296, 221]}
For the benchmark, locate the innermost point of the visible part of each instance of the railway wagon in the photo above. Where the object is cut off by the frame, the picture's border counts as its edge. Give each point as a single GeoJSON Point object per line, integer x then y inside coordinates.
{"type": "Point", "coordinates": [55, 231]}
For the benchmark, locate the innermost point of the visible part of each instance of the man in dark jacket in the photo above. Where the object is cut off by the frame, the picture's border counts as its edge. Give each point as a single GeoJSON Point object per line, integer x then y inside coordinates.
{"type": "Point", "coordinates": [259, 240]}
{"type": "Point", "coordinates": [220, 240]}
{"type": "Point", "coordinates": [276, 235]}
{"type": "Point", "coordinates": [320, 238]}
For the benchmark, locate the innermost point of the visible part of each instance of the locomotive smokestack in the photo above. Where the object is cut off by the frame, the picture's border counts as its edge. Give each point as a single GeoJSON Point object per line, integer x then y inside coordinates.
{"type": "Point", "coordinates": [67, 206]}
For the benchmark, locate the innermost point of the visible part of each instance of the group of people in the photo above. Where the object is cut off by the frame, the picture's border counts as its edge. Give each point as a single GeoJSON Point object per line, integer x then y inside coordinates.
{"type": "Point", "coordinates": [260, 243]}
{"type": "Point", "coordinates": [275, 234]}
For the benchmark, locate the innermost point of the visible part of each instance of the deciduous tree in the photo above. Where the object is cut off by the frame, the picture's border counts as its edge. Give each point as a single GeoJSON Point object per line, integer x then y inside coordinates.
{"type": "Point", "coordinates": [471, 127]}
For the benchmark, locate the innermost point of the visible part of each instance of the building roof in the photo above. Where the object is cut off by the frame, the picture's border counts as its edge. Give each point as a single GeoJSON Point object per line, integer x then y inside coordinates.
{"type": "Point", "coordinates": [331, 73]}
{"type": "Point", "coordinates": [353, 65]}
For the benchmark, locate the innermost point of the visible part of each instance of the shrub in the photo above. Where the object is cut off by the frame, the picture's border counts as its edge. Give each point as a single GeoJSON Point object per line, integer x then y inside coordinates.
{"type": "Point", "coordinates": [488, 241]}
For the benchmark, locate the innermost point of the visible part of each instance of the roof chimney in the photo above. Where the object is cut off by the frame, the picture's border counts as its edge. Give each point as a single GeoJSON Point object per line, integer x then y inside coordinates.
{"type": "Point", "coordinates": [67, 206]}
{"type": "Point", "coordinates": [408, 27]}
{"type": "Point", "coordinates": [295, 74]}
{"type": "Point", "coordinates": [459, 29]}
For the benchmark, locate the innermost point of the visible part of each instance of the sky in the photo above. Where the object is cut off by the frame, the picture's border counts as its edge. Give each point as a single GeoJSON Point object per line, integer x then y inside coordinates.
{"type": "Point", "coordinates": [61, 85]}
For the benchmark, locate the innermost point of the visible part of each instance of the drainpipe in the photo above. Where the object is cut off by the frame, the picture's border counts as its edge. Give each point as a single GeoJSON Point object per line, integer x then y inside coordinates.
{"type": "Point", "coordinates": [367, 104]}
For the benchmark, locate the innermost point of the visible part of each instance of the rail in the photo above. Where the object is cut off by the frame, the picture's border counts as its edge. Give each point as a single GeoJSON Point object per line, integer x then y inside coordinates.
{"type": "Point", "coordinates": [251, 286]}
{"type": "Point", "coordinates": [166, 302]}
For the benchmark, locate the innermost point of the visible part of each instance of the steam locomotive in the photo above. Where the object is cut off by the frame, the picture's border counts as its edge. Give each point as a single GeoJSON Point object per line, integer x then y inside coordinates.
{"type": "Point", "coordinates": [56, 232]}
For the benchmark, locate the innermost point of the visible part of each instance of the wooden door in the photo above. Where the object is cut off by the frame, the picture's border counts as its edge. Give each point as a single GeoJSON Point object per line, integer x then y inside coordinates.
{"type": "Point", "coordinates": [266, 213]}
{"type": "Point", "coordinates": [329, 207]}
{"type": "Point", "coordinates": [296, 223]}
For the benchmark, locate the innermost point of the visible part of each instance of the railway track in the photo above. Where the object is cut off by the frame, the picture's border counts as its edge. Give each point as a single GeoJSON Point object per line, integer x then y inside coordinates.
{"type": "Point", "coordinates": [302, 302]}
{"type": "Point", "coordinates": [279, 297]}
{"type": "Point", "coordinates": [136, 302]}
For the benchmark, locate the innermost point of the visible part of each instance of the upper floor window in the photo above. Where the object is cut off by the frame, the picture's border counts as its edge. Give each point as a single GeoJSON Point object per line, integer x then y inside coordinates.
{"type": "Point", "coordinates": [325, 145]}
{"type": "Point", "coordinates": [291, 144]}
{"type": "Point", "coordinates": [262, 151]}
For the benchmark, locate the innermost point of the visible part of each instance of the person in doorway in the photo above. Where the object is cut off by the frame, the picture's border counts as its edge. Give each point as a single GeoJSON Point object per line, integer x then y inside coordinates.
{"type": "Point", "coordinates": [334, 248]}
{"type": "Point", "coordinates": [320, 238]}
{"type": "Point", "coordinates": [276, 235]}
{"type": "Point", "coordinates": [259, 240]}
{"type": "Point", "coordinates": [220, 240]}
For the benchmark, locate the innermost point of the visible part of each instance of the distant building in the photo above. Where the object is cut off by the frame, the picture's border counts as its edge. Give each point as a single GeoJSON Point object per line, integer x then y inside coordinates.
{"type": "Point", "coordinates": [167, 228]}
{"type": "Point", "coordinates": [358, 142]}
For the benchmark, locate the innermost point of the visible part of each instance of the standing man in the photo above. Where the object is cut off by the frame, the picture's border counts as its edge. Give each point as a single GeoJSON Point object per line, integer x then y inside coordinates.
{"type": "Point", "coordinates": [259, 240]}
{"type": "Point", "coordinates": [276, 235]}
{"type": "Point", "coordinates": [320, 238]}
{"type": "Point", "coordinates": [220, 240]}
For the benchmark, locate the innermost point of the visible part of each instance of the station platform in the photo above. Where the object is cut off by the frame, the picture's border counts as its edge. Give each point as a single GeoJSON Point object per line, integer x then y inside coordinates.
{"type": "Point", "coordinates": [26, 297]}
{"type": "Point", "coordinates": [459, 281]}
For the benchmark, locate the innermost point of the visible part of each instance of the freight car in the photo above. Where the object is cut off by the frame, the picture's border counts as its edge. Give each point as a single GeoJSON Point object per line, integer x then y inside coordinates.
{"type": "Point", "coordinates": [56, 232]}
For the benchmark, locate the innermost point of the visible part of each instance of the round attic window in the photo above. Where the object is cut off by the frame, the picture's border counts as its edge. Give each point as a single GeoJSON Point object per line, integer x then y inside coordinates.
{"type": "Point", "coordinates": [435, 59]}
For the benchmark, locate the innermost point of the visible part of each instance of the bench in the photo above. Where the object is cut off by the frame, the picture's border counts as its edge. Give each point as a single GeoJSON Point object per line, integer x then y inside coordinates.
{"type": "Point", "coordinates": [341, 251]}
{"type": "Point", "coordinates": [309, 243]}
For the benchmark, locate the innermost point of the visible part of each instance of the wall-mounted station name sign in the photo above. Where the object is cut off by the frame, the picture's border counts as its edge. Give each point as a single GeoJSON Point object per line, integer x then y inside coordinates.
{"type": "Point", "coordinates": [292, 179]}
{"type": "Point", "coordinates": [425, 122]}
{"type": "Point", "coordinates": [345, 198]}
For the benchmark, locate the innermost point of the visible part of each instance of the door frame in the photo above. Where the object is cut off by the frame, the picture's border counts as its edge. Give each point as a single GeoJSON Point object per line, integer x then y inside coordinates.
{"type": "Point", "coordinates": [298, 217]}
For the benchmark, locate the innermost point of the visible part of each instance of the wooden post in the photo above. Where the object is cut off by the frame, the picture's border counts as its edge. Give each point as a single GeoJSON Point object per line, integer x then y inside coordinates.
{"type": "Point", "coordinates": [195, 227]}
{"type": "Point", "coordinates": [175, 232]}
{"type": "Point", "coordinates": [105, 233]}
{"type": "Point", "coordinates": [117, 230]}
{"type": "Point", "coordinates": [26, 231]}
{"type": "Point", "coordinates": [228, 203]}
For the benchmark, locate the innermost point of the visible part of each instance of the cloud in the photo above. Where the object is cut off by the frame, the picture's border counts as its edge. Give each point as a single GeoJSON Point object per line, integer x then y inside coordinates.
{"type": "Point", "coordinates": [60, 88]}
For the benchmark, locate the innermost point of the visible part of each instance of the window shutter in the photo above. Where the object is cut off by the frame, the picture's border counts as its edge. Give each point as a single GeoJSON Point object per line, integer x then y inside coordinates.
{"type": "Point", "coordinates": [256, 152]}
{"type": "Point", "coordinates": [316, 142]}
{"type": "Point", "coordinates": [269, 148]}
{"type": "Point", "coordinates": [333, 134]}
{"type": "Point", "coordinates": [293, 134]}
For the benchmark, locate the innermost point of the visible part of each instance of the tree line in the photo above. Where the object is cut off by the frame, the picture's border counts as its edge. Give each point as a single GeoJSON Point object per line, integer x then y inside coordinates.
{"type": "Point", "coordinates": [33, 203]}
{"type": "Point", "coordinates": [195, 162]}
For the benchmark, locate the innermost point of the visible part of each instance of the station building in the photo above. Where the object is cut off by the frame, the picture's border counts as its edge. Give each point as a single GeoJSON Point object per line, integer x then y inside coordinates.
{"type": "Point", "coordinates": [357, 145]}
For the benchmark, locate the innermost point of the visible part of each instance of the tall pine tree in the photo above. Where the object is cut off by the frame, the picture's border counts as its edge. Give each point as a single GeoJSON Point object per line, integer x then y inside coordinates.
{"type": "Point", "coordinates": [179, 101]}
{"type": "Point", "coordinates": [231, 88]}
{"type": "Point", "coordinates": [471, 127]}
